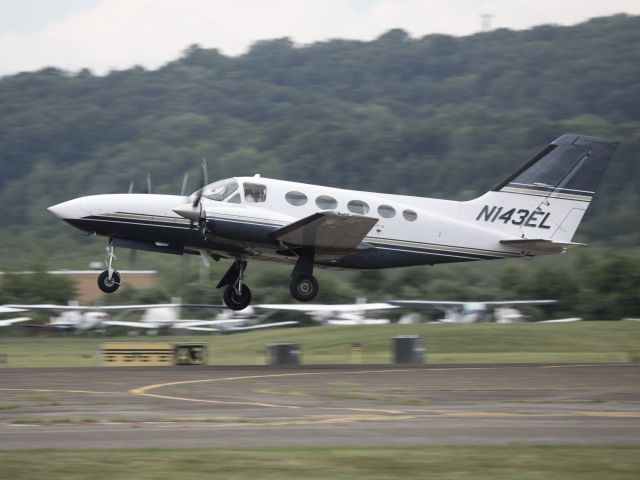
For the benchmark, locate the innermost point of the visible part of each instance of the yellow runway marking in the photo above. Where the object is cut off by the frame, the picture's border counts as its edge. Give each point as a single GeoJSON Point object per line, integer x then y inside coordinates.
{"type": "Point", "coordinates": [388, 414]}
{"type": "Point", "coordinates": [579, 365]}
{"type": "Point", "coordinates": [51, 390]}
{"type": "Point", "coordinates": [475, 414]}
{"type": "Point", "coordinates": [144, 391]}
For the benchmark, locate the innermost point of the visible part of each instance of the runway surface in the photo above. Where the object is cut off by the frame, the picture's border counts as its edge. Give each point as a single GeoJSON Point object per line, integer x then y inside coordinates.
{"type": "Point", "coordinates": [337, 405]}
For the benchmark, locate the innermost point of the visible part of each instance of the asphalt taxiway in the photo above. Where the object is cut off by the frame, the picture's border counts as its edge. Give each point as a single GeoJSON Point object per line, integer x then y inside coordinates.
{"type": "Point", "coordinates": [327, 405]}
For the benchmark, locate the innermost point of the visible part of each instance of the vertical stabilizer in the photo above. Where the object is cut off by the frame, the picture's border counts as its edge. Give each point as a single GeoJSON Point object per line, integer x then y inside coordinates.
{"type": "Point", "coordinates": [546, 198]}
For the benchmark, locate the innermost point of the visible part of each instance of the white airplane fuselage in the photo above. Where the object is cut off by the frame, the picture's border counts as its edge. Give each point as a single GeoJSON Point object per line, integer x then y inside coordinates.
{"type": "Point", "coordinates": [457, 232]}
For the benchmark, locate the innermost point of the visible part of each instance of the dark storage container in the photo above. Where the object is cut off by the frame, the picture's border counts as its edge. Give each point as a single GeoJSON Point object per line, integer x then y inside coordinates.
{"type": "Point", "coordinates": [408, 349]}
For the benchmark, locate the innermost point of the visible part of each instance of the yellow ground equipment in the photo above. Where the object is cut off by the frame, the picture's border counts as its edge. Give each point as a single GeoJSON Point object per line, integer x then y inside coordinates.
{"type": "Point", "coordinates": [141, 354]}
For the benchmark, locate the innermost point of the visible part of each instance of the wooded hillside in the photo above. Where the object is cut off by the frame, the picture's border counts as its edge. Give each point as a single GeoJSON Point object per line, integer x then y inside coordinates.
{"type": "Point", "coordinates": [436, 116]}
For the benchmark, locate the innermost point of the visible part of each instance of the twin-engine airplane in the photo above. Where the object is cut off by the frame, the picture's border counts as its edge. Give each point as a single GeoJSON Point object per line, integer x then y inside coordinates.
{"type": "Point", "coordinates": [534, 211]}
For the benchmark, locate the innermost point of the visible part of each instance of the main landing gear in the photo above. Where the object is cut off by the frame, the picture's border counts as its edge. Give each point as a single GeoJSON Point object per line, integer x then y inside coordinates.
{"type": "Point", "coordinates": [109, 280]}
{"type": "Point", "coordinates": [304, 286]}
{"type": "Point", "coordinates": [237, 295]}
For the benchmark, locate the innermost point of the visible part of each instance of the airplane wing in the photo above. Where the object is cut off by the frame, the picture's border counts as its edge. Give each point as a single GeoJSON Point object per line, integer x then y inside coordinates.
{"type": "Point", "coordinates": [227, 326]}
{"type": "Point", "coordinates": [118, 323]}
{"type": "Point", "coordinates": [11, 321]}
{"type": "Point", "coordinates": [520, 302]}
{"type": "Point", "coordinates": [425, 303]}
{"type": "Point", "coordinates": [327, 230]}
{"type": "Point", "coordinates": [259, 326]}
{"type": "Point", "coordinates": [562, 320]}
{"type": "Point", "coordinates": [105, 308]}
{"type": "Point", "coordinates": [348, 307]}
{"type": "Point", "coordinates": [429, 303]}
{"type": "Point", "coordinates": [9, 309]}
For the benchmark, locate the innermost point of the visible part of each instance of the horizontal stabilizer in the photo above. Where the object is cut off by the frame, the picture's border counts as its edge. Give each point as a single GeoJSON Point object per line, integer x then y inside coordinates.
{"type": "Point", "coordinates": [327, 230]}
{"type": "Point", "coordinates": [538, 246]}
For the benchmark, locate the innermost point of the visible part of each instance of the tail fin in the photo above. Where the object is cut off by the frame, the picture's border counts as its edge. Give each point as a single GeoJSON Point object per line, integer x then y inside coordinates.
{"type": "Point", "coordinates": [546, 198]}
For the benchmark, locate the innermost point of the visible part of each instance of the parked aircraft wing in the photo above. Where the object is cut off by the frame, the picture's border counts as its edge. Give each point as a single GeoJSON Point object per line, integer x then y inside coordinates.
{"type": "Point", "coordinates": [11, 321]}
{"type": "Point", "coordinates": [520, 302]}
{"type": "Point", "coordinates": [562, 320]}
{"type": "Point", "coordinates": [327, 230]}
{"type": "Point", "coordinates": [436, 303]}
{"type": "Point", "coordinates": [10, 309]}
{"type": "Point", "coordinates": [425, 303]}
{"type": "Point", "coordinates": [118, 323]}
{"type": "Point", "coordinates": [105, 308]}
{"type": "Point", "coordinates": [348, 307]}
{"type": "Point", "coordinates": [259, 326]}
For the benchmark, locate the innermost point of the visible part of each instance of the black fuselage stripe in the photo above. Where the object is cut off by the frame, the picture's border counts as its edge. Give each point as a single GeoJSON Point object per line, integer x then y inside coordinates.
{"type": "Point", "coordinates": [442, 252]}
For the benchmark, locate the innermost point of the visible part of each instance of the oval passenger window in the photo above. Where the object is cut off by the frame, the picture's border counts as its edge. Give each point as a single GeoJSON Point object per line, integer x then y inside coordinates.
{"type": "Point", "coordinates": [326, 202]}
{"type": "Point", "coordinates": [296, 198]}
{"type": "Point", "coordinates": [410, 215]}
{"type": "Point", "coordinates": [358, 206]}
{"type": "Point", "coordinates": [386, 211]}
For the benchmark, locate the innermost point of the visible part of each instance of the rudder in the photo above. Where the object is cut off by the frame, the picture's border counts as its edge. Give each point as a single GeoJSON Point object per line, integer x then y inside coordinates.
{"type": "Point", "coordinates": [546, 198]}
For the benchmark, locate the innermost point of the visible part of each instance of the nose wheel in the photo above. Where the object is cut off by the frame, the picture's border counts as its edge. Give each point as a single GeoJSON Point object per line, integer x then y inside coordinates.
{"type": "Point", "coordinates": [237, 300]}
{"type": "Point", "coordinates": [237, 295]}
{"type": "Point", "coordinates": [109, 280]}
{"type": "Point", "coordinates": [106, 284]}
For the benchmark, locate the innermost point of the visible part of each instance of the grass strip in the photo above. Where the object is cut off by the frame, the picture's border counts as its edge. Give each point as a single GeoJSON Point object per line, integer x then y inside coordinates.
{"type": "Point", "coordinates": [520, 462]}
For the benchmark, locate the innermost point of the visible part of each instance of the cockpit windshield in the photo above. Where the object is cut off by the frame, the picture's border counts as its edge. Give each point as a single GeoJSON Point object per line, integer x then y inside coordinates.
{"type": "Point", "coordinates": [220, 190]}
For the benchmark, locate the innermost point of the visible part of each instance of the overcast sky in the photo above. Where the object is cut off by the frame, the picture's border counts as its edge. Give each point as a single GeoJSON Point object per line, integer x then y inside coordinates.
{"type": "Point", "coordinates": [115, 34]}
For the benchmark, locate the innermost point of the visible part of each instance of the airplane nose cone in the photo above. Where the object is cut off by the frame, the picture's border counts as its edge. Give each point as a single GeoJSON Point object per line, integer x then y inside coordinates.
{"type": "Point", "coordinates": [189, 212]}
{"type": "Point", "coordinates": [66, 210]}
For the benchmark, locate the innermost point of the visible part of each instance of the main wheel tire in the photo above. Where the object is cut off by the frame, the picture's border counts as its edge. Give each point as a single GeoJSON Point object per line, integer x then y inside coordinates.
{"type": "Point", "coordinates": [304, 288]}
{"type": "Point", "coordinates": [235, 301]}
{"type": "Point", "coordinates": [106, 284]}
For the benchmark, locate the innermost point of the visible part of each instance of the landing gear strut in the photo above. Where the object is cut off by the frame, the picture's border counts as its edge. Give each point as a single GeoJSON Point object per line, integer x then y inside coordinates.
{"type": "Point", "coordinates": [109, 280]}
{"type": "Point", "coordinates": [237, 295]}
{"type": "Point", "coordinates": [304, 286]}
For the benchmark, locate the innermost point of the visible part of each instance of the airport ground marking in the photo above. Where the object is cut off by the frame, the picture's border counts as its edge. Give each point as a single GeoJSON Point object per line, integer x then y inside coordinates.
{"type": "Point", "coordinates": [144, 391]}
{"type": "Point", "coordinates": [587, 365]}
{"type": "Point", "coordinates": [51, 390]}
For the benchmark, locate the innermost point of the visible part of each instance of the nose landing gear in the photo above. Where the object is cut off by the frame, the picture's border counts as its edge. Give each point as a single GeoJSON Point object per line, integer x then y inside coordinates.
{"type": "Point", "coordinates": [237, 295]}
{"type": "Point", "coordinates": [109, 280]}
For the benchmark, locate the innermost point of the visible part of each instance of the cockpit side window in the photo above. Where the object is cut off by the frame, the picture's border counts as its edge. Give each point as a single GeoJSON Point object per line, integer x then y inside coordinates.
{"type": "Point", "coordinates": [220, 190]}
{"type": "Point", "coordinates": [254, 192]}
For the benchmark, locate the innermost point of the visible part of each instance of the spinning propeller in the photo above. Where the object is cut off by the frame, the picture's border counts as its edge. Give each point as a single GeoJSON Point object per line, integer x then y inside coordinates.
{"type": "Point", "coordinates": [193, 211]}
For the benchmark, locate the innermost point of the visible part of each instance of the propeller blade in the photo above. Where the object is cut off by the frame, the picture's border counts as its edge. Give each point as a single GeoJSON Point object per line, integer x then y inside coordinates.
{"type": "Point", "coordinates": [131, 185]}
{"type": "Point", "coordinates": [185, 180]}
{"type": "Point", "coordinates": [196, 201]}
{"type": "Point", "coordinates": [148, 182]}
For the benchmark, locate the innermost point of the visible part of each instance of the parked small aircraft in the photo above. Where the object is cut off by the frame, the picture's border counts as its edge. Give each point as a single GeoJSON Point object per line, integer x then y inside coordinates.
{"type": "Point", "coordinates": [10, 321]}
{"type": "Point", "coordinates": [470, 312]}
{"type": "Point", "coordinates": [155, 317]}
{"type": "Point", "coordinates": [534, 211]}
{"type": "Point", "coordinates": [338, 314]}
